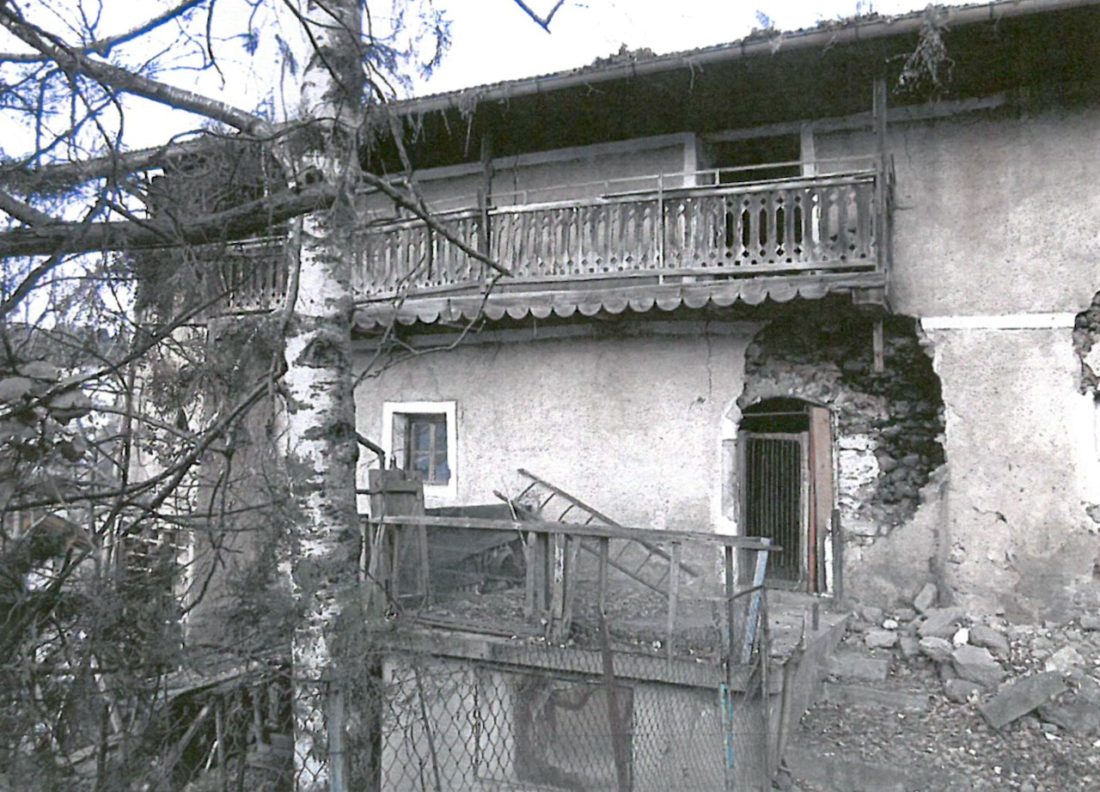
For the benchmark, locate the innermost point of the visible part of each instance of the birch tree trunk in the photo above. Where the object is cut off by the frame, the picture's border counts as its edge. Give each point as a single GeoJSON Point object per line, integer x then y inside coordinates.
{"type": "Point", "coordinates": [322, 450]}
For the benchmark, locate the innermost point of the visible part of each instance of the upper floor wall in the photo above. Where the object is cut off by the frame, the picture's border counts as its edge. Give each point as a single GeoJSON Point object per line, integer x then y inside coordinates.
{"type": "Point", "coordinates": [994, 212]}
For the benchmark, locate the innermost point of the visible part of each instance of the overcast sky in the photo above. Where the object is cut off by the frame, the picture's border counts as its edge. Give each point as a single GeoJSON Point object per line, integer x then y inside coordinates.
{"type": "Point", "coordinates": [494, 40]}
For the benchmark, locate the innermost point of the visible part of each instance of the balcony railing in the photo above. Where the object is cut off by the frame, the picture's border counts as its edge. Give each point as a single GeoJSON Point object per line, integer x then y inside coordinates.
{"type": "Point", "coordinates": [820, 224]}
{"type": "Point", "coordinates": [798, 226]}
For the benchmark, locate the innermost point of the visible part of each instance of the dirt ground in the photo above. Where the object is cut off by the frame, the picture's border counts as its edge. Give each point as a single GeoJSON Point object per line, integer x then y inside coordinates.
{"type": "Point", "coordinates": [951, 746]}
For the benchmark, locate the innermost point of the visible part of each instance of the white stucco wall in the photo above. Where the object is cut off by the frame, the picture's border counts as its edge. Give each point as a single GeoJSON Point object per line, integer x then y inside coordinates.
{"type": "Point", "coordinates": [631, 424]}
{"type": "Point", "coordinates": [995, 236]}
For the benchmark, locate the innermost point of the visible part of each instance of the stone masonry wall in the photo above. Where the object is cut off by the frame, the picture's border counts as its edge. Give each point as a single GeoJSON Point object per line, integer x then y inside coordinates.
{"type": "Point", "coordinates": [888, 427]}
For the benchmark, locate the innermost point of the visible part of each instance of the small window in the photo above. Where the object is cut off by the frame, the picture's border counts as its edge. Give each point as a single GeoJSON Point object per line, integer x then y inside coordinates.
{"type": "Point", "coordinates": [426, 447]}
{"type": "Point", "coordinates": [420, 437]}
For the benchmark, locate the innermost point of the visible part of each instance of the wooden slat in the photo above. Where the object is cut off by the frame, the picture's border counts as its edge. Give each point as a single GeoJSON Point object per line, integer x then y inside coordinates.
{"type": "Point", "coordinates": [576, 529]}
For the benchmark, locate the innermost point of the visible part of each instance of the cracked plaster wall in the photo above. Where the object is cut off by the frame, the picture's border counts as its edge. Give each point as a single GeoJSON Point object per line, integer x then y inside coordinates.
{"type": "Point", "coordinates": [628, 421]}
{"type": "Point", "coordinates": [994, 217]}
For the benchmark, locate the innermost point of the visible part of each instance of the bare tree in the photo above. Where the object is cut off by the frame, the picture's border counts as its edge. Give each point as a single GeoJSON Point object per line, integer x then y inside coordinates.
{"type": "Point", "coordinates": [122, 389]}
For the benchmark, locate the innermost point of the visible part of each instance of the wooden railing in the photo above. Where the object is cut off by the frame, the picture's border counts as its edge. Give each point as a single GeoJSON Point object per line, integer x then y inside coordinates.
{"type": "Point", "coordinates": [781, 227]}
{"type": "Point", "coordinates": [738, 230]}
{"type": "Point", "coordinates": [566, 582]}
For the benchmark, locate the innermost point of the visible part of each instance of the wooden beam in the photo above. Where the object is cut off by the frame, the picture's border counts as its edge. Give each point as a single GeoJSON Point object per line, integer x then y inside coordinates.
{"type": "Point", "coordinates": [879, 344]}
{"type": "Point", "coordinates": [575, 529]}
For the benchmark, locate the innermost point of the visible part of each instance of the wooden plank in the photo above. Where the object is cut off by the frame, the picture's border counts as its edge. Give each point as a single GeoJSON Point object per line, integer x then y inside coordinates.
{"type": "Point", "coordinates": [601, 584]}
{"type": "Point", "coordinates": [731, 592]}
{"type": "Point", "coordinates": [572, 550]}
{"type": "Point", "coordinates": [557, 582]}
{"type": "Point", "coordinates": [577, 529]}
{"type": "Point", "coordinates": [673, 596]}
{"type": "Point", "coordinates": [878, 344]}
{"type": "Point", "coordinates": [755, 604]}
{"type": "Point", "coordinates": [821, 475]}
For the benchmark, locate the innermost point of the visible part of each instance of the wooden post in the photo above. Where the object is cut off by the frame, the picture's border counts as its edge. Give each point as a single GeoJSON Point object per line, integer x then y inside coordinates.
{"type": "Point", "coordinates": [755, 601]}
{"type": "Point", "coordinates": [727, 558]}
{"type": "Point", "coordinates": [838, 558]}
{"type": "Point", "coordinates": [601, 585]}
{"type": "Point", "coordinates": [219, 742]}
{"type": "Point", "coordinates": [878, 344]}
{"type": "Point", "coordinates": [485, 196]}
{"type": "Point", "coordinates": [673, 596]}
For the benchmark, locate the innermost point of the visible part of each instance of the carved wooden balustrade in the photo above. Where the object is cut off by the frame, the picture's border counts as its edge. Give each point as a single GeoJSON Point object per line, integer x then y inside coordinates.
{"type": "Point", "coordinates": [795, 226]}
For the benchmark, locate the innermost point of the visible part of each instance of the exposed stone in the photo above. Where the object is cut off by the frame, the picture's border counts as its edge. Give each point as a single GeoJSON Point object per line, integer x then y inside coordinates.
{"type": "Point", "coordinates": [980, 635]}
{"type": "Point", "coordinates": [939, 649]}
{"type": "Point", "coordinates": [960, 690]}
{"type": "Point", "coordinates": [905, 614]}
{"type": "Point", "coordinates": [880, 639]}
{"type": "Point", "coordinates": [856, 665]}
{"type": "Point", "coordinates": [1090, 622]}
{"type": "Point", "coordinates": [978, 665]}
{"type": "Point", "coordinates": [1078, 711]}
{"type": "Point", "coordinates": [874, 697]}
{"type": "Point", "coordinates": [871, 614]}
{"type": "Point", "coordinates": [1064, 660]}
{"type": "Point", "coordinates": [886, 463]}
{"type": "Point", "coordinates": [1020, 697]}
{"type": "Point", "coordinates": [940, 622]}
{"type": "Point", "coordinates": [890, 624]}
{"type": "Point", "coordinates": [926, 598]}
{"type": "Point", "coordinates": [961, 636]}
{"type": "Point", "coordinates": [910, 646]}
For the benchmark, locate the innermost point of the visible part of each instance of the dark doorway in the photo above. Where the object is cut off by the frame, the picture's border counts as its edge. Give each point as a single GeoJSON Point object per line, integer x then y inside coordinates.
{"type": "Point", "coordinates": [786, 485]}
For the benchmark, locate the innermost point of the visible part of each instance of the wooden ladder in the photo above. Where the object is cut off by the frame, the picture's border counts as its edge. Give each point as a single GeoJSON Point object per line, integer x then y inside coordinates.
{"type": "Point", "coordinates": [645, 563]}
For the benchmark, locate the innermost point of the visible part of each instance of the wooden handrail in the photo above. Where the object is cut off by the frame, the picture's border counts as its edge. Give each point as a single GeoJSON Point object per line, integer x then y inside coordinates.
{"type": "Point", "coordinates": [572, 529]}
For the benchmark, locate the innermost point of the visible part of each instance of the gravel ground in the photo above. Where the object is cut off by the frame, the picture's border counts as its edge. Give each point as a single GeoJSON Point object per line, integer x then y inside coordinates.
{"type": "Point", "coordinates": [951, 747]}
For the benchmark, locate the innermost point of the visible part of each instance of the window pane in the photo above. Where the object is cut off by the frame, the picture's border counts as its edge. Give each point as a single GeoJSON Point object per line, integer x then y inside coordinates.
{"type": "Point", "coordinates": [442, 470]}
{"type": "Point", "coordinates": [421, 463]}
{"type": "Point", "coordinates": [441, 433]}
{"type": "Point", "coordinates": [422, 435]}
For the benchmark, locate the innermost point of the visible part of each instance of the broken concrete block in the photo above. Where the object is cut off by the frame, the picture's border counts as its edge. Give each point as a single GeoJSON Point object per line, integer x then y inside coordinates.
{"type": "Point", "coordinates": [980, 635]}
{"type": "Point", "coordinates": [978, 665]}
{"type": "Point", "coordinates": [880, 639]}
{"type": "Point", "coordinates": [1020, 697]}
{"type": "Point", "coordinates": [856, 665]}
{"type": "Point", "coordinates": [910, 646]}
{"type": "Point", "coordinates": [940, 622]}
{"type": "Point", "coordinates": [905, 614]}
{"type": "Point", "coordinates": [1078, 712]}
{"type": "Point", "coordinates": [1064, 660]}
{"type": "Point", "coordinates": [939, 649]}
{"type": "Point", "coordinates": [871, 614]}
{"type": "Point", "coordinates": [926, 598]}
{"type": "Point", "coordinates": [960, 690]}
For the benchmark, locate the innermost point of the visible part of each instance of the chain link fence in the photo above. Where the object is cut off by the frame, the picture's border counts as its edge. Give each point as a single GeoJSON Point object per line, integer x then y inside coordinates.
{"type": "Point", "coordinates": [452, 724]}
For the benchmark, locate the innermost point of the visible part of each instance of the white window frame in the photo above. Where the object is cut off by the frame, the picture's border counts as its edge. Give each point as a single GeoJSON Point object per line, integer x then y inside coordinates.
{"type": "Point", "coordinates": [448, 409]}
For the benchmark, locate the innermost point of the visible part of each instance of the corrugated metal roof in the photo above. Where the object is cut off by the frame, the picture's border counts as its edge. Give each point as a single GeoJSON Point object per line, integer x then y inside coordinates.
{"type": "Point", "coordinates": [464, 308]}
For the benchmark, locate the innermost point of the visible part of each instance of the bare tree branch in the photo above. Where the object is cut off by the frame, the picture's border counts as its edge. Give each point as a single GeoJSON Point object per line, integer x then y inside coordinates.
{"type": "Point", "coordinates": [104, 46]}
{"type": "Point", "coordinates": [542, 22]}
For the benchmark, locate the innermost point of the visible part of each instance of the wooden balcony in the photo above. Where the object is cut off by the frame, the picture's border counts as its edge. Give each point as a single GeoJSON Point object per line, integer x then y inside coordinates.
{"type": "Point", "coordinates": [792, 228]}
{"type": "Point", "coordinates": [723, 241]}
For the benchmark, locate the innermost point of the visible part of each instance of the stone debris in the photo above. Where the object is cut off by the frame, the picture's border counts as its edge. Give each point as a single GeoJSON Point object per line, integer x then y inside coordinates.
{"type": "Point", "coordinates": [938, 649]}
{"type": "Point", "coordinates": [1090, 622]}
{"type": "Point", "coordinates": [981, 635]}
{"type": "Point", "coordinates": [909, 645]}
{"type": "Point", "coordinates": [904, 614]}
{"type": "Point", "coordinates": [1077, 711]}
{"type": "Point", "coordinates": [890, 624]}
{"type": "Point", "coordinates": [960, 690]}
{"type": "Point", "coordinates": [871, 615]}
{"type": "Point", "coordinates": [1064, 661]}
{"type": "Point", "coordinates": [856, 665]}
{"type": "Point", "coordinates": [1021, 696]}
{"type": "Point", "coordinates": [978, 665]}
{"type": "Point", "coordinates": [880, 639]}
{"type": "Point", "coordinates": [961, 637]}
{"type": "Point", "coordinates": [926, 598]}
{"type": "Point", "coordinates": [940, 622]}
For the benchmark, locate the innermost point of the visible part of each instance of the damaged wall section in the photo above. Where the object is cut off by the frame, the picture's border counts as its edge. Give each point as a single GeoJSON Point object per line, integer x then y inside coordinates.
{"type": "Point", "coordinates": [888, 426]}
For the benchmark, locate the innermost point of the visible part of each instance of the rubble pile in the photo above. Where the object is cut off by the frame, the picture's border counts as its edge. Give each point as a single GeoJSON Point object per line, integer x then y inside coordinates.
{"type": "Point", "coordinates": [1003, 706]}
